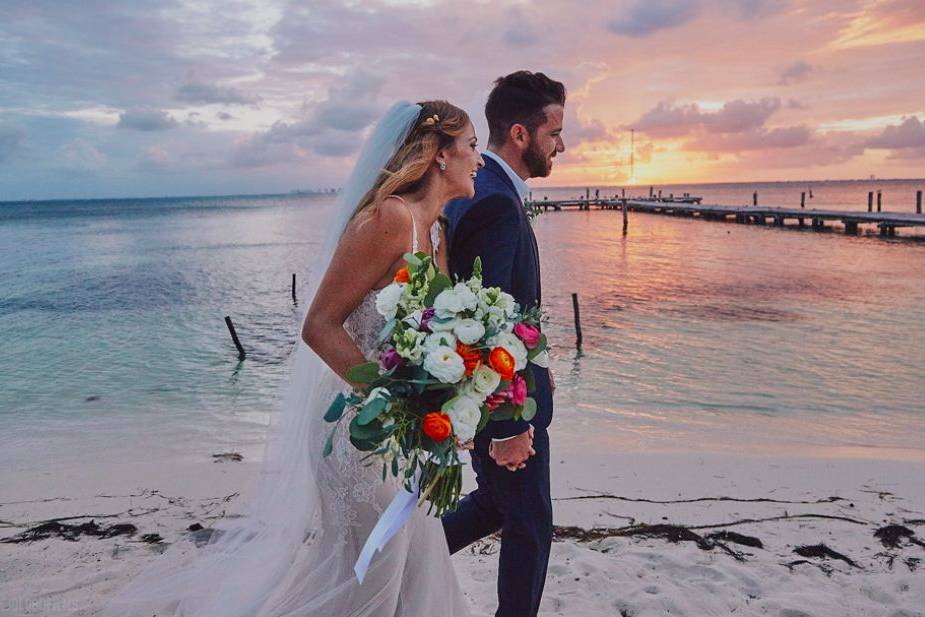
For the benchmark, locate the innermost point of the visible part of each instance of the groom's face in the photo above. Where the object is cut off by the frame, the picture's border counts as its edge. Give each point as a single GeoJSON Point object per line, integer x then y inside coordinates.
{"type": "Point", "coordinates": [545, 143]}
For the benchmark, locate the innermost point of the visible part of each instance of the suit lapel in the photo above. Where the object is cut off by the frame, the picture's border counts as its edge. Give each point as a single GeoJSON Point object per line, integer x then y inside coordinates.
{"type": "Point", "coordinates": [492, 166]}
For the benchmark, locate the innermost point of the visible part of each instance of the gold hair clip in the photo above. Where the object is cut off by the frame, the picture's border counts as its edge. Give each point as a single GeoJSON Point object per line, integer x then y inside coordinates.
{"type": "Point", "coordinates": [431, 121]}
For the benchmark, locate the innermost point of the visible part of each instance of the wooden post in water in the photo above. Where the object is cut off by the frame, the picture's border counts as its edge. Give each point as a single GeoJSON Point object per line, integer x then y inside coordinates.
{"type": "Point", "coordinates": [577, 321]}
{"type": "Point", "coordinates": [626, 220]}
{"type": "Point", "coordinates": [587, 194]}
{"type": "Point", "coordinates": [803, 199]}
{"type": "Point", "coordinates": [659, 193]}
{"type": "Point", "coordinates": [651, 191]}
{"type": "Point", "coordinates": [234, 338]}
{"type": "Point", "coordinates": [870, 201]}
{"type": "Point", "coordinates": [293, 287]}
{"type": "Point", "coordinates": [918, 202]}
{"type": "Point", "coordinates": [623, 192]}
{"type": "Point", "coordinates": [755, 198]}
{"type": "Point", "coordinates": [879, 200]}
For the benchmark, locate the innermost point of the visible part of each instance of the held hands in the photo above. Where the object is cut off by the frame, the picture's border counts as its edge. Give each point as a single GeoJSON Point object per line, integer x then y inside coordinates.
{"type": "Point", "coordinates": [513, 453]}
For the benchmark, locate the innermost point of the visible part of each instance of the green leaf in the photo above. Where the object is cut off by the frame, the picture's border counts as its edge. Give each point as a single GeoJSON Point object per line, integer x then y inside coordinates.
{"type": "Point", "coordinates": [503, 412]}
{"type": "Point", "coordinates": [329, 443]}
{"type": "Point", "coordinates": [530, 378]}
{"type": "Point", "coordinates": [363, 373]}
{"type": "Point", "coordinates": [486, 415]}
{"type": "Point", "coordinates": [365, 432]}
{"type": "Point", "coordinates": [540, 348]}
{"type": "Point", "coordinates": [386, 331]}
{"type": "Point", "coordinates": [529, 410]}
{"type": "Point", "coordinates": [371, 410]}
{"type": "Point", "coordinates": [439, 283]}
{"type": "Point", "coordinates": [395, 467]}
{"type": "Point", "coordinates": [336, 410]}
{"type": "Point", "coordinates": [362, 445]}
{"type": "Point", "coordinates": [412, 259]}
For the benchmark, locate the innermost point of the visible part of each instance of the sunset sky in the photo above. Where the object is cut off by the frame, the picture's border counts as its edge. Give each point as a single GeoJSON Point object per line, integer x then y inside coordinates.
{"type": "Point", "coordinates": [184, 97]}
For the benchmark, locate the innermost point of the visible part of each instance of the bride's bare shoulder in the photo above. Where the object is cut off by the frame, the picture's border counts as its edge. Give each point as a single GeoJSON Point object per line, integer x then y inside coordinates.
{"type": "Point", "coordinates": [387, 222]}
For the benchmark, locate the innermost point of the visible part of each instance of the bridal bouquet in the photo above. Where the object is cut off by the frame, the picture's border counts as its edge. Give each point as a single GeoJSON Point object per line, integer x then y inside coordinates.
{"type": "Point", "coordinates": [451, 359]}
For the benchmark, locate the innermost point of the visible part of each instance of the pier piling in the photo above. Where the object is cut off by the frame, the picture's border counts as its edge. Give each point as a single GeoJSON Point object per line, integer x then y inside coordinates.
{"type": "Point", "coordinates": [879, 200]}
{"type": "Point", "coordinates": [234, 338]}
{"type": "Point", "coordinates": [803, 199]}
{"type": "Point", "coordinates": [870, 201]}
{"type": "Point", "coordinates": [577, 321]}
{"type": "Point", "coordinates": [918, 202]}
{"type": "Point", "coordinates": [293, 287]}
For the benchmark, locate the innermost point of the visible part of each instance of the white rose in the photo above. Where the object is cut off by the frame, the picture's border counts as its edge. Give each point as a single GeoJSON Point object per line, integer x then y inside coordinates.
{"type": "Point", "coordinates": [467, 388]}
{"type": "Point", "coordinates": [514, 346]}
{"type": "Point", "coordinates": [485, 380]}
{"type": "Point", "coordinates": [469, 331]}
{"type": "Point", "coordinates": [387, 300]}
{"type": "Point", "coordinates": [439, 339]}
{"type": "Point", "coordinates": [465, 415]}
{"type": "Point", "coordinates": [465, 296]}
{"type": "Point", "coordinates": [445, 364]}
{"type": "Point", "coordinates": [447, 304]}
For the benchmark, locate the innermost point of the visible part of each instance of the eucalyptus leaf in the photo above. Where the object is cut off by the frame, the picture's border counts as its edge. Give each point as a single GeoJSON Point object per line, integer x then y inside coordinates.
{"type": "Point", "coordinates": [386, 331]}
{"type": "Point", "coordinates": [363, 373]}
{"type": "Point", "coordinates": [503, 412]}
{"type": "Point", "coordinates": [329, 443]}
{"type": "Point", "coordinates": [529, 410]}
{"type": "Point", "coordinates": [486, 415]}
{"type": "Point", "coordinates": [365, 431]}
{"type": "Point", "coordinates": [413, 260]}
{"type": "Point", "coordinates": [540, 348]}
{"type": "Point", "coordinates": [530, 379]}
{"type": "Point", "coordinates": [336, 410]}
{"type": "Point", "coordinates": [371, 410]}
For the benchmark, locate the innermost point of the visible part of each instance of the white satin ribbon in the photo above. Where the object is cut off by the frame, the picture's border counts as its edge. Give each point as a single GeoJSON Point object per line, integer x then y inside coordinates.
{"type": "Point", "coordinates": [395, 516]}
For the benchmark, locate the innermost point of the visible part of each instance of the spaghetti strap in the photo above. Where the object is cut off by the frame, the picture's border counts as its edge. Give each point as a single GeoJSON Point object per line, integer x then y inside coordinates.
{"type": "Point", "coordinates": [414, 225]}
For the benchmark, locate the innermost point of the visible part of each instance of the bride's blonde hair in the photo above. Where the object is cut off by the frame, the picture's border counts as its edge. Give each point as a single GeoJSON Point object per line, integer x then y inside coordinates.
{"type": "Point", "coordinates": [436, 128]}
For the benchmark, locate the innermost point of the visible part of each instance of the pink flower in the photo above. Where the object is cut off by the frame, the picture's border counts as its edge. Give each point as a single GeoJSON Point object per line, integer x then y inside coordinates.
{"type": "Point", "coordinates": [515, 393]}
{"type": "Point", "coordinates": [530, 335]}
{"type": "Point", "coordinates": [389, 359]}
{"type": "Point", "coordinates": [518, 389]}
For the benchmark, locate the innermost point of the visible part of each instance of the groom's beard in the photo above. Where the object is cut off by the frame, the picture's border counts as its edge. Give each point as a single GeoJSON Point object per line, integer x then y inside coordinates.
{"type": "Point", "coordinates": [538, 164]}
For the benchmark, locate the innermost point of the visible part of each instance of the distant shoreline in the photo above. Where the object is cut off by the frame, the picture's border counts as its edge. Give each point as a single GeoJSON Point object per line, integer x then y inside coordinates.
{"type": "Point", "coordinates": [328, 192]}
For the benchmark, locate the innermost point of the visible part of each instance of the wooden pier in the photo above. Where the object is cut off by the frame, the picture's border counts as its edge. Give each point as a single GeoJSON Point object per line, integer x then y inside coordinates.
{"type": "Point", "coordinates": [689, 206]}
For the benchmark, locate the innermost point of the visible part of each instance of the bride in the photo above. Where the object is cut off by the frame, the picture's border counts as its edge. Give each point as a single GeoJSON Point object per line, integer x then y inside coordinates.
{"type": "Point", "coordinates": [294, 553]}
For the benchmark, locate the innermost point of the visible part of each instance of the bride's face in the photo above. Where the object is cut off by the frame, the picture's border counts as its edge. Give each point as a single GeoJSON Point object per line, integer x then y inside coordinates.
{"type": "Point", "coordinates": [462, 162]}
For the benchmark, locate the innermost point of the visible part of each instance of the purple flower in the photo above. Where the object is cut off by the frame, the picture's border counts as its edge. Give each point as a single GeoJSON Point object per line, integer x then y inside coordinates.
{"type": "Point", "coordinates": [389, 359]}
{"type": "Point", "coordinates": [426, 316]}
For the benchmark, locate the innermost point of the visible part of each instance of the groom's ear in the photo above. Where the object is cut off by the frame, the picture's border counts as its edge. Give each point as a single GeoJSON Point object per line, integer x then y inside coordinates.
{"type": "Point", "coordinates": [520, 136]}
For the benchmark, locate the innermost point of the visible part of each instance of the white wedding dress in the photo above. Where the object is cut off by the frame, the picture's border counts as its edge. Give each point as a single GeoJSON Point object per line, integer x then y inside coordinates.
{"type": "Point", "coordinates": [412, 576]}
{"type": "Point", "coordinates": [293, 552]}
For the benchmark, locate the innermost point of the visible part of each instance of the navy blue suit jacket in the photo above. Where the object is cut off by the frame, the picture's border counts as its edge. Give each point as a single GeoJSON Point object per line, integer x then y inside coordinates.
{"type": "Point", "coordinates": [494, 226]}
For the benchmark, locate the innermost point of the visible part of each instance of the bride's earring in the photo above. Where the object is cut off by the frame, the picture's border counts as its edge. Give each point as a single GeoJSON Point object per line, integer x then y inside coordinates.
{"type": "Point", "coordinates": [442, 166]}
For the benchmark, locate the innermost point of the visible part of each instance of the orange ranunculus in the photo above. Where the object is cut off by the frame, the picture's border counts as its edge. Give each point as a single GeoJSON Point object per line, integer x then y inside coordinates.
{"type": "Point", "coordinates": [472, 358]}
{"type": "Point", "coordinates": [503, 362]}
{"type": "Point", "coordinates": [402, 275]}
{"type": "Point", "coordinates": [437, 425]}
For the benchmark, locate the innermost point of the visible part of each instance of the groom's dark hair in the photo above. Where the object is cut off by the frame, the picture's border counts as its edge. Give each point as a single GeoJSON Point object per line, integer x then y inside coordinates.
{"type": "Point", "coordinates": [519, 98]}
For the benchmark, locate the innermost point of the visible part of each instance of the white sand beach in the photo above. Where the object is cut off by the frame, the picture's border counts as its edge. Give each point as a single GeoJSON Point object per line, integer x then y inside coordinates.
{"type": "Point", "coordinates": [783, 501]}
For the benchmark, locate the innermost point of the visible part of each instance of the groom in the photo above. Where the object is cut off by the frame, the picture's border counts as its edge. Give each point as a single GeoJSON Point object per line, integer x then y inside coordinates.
{"type": "Point", "coordinates": [511, 457]}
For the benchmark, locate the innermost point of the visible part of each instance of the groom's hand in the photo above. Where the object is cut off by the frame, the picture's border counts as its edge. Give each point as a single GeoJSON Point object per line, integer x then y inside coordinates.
{"type": "Point", "coordinates": [513, 453]}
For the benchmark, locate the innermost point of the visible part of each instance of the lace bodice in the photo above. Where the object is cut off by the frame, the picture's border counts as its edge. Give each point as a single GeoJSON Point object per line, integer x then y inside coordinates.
{"type": "Point", "coordinates": [357, 486]}
{"type": "Point", "coordinates": [364, 323]}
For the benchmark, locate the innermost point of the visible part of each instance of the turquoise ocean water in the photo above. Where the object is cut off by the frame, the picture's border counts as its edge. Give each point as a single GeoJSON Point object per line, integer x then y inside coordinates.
{"type": "Point", "coordinates": [696, 335]}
